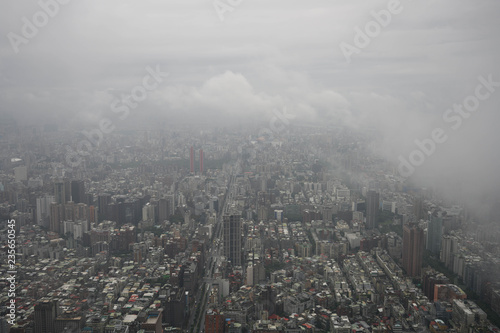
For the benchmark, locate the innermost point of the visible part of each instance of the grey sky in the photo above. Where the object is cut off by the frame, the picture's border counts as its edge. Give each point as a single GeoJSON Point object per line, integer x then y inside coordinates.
{"type": "Point", "coordinates": [264, 55]}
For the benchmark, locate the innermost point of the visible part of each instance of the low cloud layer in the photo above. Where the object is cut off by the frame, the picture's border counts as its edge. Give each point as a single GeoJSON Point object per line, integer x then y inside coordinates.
{"type": "Point", "coordinates": [263, 56]}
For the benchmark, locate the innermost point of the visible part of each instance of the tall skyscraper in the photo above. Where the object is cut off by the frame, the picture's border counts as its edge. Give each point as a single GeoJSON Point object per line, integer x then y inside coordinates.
{"type": "Point", "coordinates": [449, 247]}
{"type": "Point", "coordinates": [413, 249]}
{"type": "Point", "coordinates": [191, 159]}
{"type": "Point", "coordinates": [59, 192]}
{"type": "Point", "coordinates": [372, 207]}
{"type": "Point", "coordinates": [103, 201]}
{"type": "Point", "coordinates": [201, 161]}
{"type": "Point", "coordinates": [162, 210]}
{"type": "Point", "coordinates": [418, 208]}
{"type": "Point", "coordinates": [43, 209]}
{"type": "Point", "coordinates": [232, 238]}
{"type": "Point", "coordinates": [93, 218]}
{"type": "Point", "coordinates": [434, 232]}
{"type": "Point", "coordinates": [67, 190]}
{"type": "Point", "coordinates": [77, 191]}
{"type": "Point", "coordinates": [45, 316]}
{"type": "Point", "coordinates": [170, 204]}
{"type": "Point", "coordinates": [165, 207]}
{"type": "Point", "coordinates": [56, 217]}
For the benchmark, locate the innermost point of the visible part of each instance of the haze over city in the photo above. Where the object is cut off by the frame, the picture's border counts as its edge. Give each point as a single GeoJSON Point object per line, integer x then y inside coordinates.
{"type": "Point", "coordinates": [397, 97]}
{"type": "Point", "coordinates": [261, 57]}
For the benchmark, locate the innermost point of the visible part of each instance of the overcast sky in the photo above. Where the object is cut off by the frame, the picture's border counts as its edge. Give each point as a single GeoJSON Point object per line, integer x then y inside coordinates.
{"type": "Point", "coordinates": [264, 55]}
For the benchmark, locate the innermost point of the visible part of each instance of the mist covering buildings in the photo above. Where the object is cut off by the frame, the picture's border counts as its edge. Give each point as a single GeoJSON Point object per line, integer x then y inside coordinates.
{"type": "Point", "coordinates": [228, 167]}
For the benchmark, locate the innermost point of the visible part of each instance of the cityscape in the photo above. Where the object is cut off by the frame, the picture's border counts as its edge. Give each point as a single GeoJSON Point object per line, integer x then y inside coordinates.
{"type": "Point", "coordinates": [164, 167]}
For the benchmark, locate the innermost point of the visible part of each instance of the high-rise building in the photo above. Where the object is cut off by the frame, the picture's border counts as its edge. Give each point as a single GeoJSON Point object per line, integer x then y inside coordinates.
{"type": "Point", "coordinates": [170, 204]}
{"type": "Point", "coordinates": [430, 280]}
{"type": "Point", "coordinates": [69, 211]}
{"type": "Point", "coordinates": [372, 208]}
{"type": "Point", "coordinates": [418, 208]}
{"type": "Point", "coordinates": [59, 192]}
{"type": "Point", "coordinates": [201, 161]}
{"type": "Point", "coordinates": [191, 160]}
{"type": "Point", "coordinates": [357, 216]}
{"type": "Point", "coordinates": [162, 210]}
{"type": "Point", "coordinates": [232, 238]}
{"type": "Point", "coordinates": [45, 316]}
{"type": "Point", "coordinates": [165, 207]}
{"type": "Point", "coordinates": [93, 214]}
{"type": "Point", "coordinates": [278, 215]}
{"type": "Point", "coordinates": [56, 217]}
{"type": "Point", "coordinates": [213, 204]}
{"type": "Point", "coordinates": [67, 190]}
{"type": "Point", "coordinates": [148, 212]}
{"type": "Point", "coordinates": [153, 321]}
{"type": "Point", "coordinates": [103, 201]}
{"type": "Point", "coordinates": [81, 212]}
{"type": "Point", "coordinates": [174, 306]}
{"type": "Point", "coordinates": [449, 247]}
{"type": "Point", "coordinates": [21, 173]}
{"type": "Point", "coordinates": [434, 232]}
{"type": "Point", "coordinates": [256, 273]}
{"type": "Point", "coordinates": [78, 191]}
{"type": "Point", "coordinates": [43, 209]}
{"type": "Point", "coordinates": [413, 249]}
{"type": "Point", "coordinates": [88, 199]}
{"type": "Point", "coordinates": [214, 322]}
{"type": "Point", "coordinates": [4, 328]}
